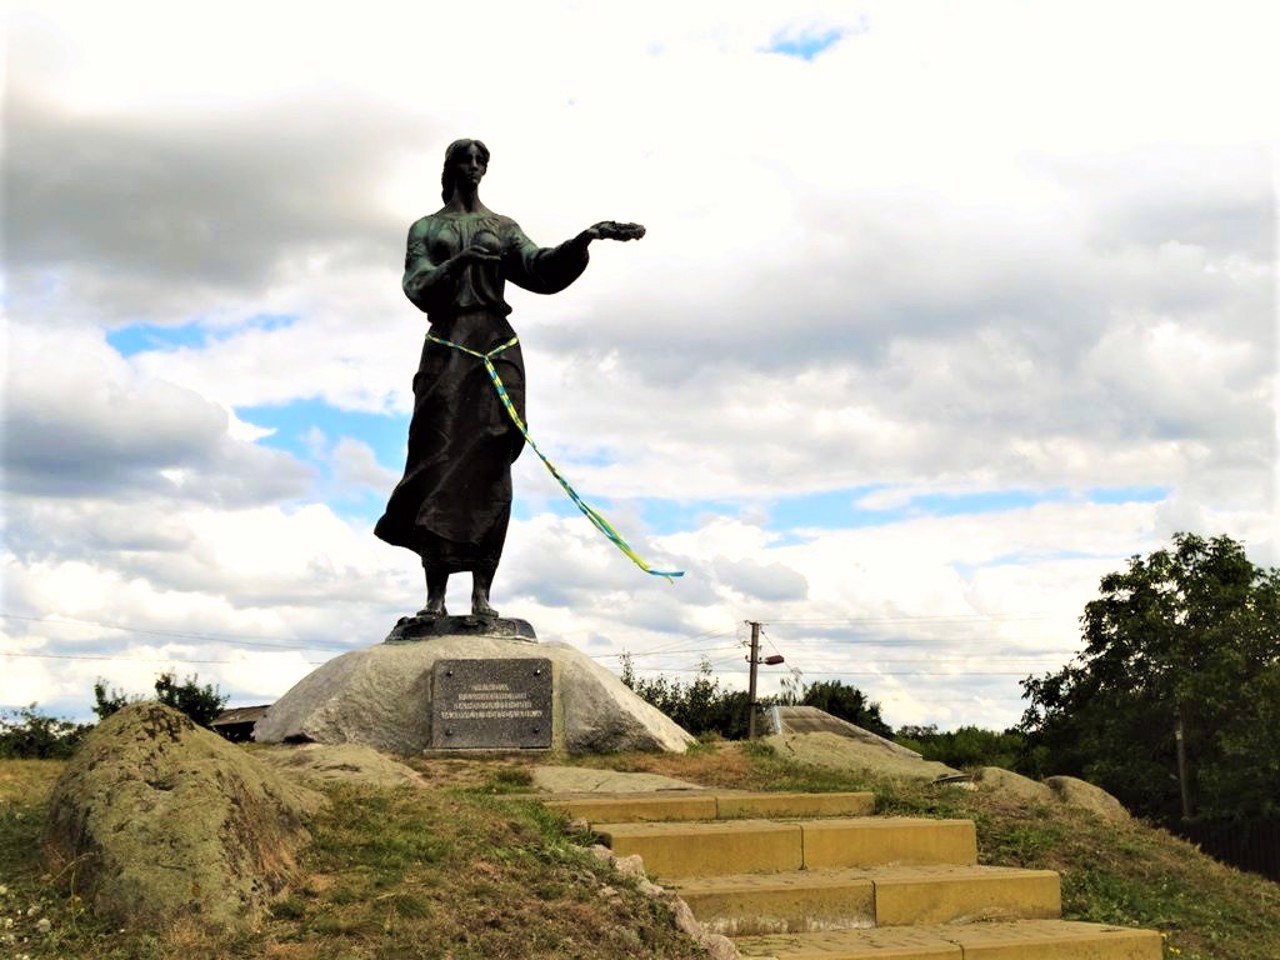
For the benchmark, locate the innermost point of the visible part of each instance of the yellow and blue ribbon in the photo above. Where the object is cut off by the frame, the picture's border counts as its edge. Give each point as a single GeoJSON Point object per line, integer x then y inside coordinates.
{"type": "Point", "coordinates": [601, 524]}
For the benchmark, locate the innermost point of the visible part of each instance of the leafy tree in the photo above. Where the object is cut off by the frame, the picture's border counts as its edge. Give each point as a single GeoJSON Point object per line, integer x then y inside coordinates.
{"type": "Point", "coordinates": [848, 703]}
{"type": "Point", "coordinates": [966, 747]}
{"type": "Point", "coordinates": [26, 734]}
{"type": "Point", "coordinates": [1187, 640]}
{"type": "Point", "coordinates": [201, 704]}
{"type": "Point", "coordinates": [702, 706]}
{"type": "Point", "coordinates": [106, 702]}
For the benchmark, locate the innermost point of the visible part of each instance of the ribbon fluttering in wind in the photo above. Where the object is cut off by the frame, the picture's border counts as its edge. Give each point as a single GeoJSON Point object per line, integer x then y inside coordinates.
{"type": "Point", "coordinates": [601, 524]}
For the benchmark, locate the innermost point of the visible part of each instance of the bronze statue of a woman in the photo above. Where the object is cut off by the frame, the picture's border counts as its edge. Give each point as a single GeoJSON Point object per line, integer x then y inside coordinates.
{"type": "Point", "coordinates": [454, 502]}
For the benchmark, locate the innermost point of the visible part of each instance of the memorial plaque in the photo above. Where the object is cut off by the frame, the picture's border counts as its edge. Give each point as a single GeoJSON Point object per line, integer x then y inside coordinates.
{"type": "Point", "coordinates": [479, 704]}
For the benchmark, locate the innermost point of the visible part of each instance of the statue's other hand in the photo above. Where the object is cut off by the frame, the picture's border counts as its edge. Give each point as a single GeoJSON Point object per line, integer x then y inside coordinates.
{"type": "Point", "coordinates": [613, 230]}
{"type": "Point", "coordinates": [477, 253]}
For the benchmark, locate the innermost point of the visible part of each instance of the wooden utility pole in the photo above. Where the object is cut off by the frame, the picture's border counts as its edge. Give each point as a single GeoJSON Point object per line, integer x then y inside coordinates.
{"type": "Point", "coordinates": [754, 660]}
{"type": "Point", "coordinates": [1184, 785]}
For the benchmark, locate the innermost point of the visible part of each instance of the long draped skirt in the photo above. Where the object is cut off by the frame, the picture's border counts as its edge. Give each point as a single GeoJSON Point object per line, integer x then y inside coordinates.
{"type": "Point", "coordinates": [453, 504]}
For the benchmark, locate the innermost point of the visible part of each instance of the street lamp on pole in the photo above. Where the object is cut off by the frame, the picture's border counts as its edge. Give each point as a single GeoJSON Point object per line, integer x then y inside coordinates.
{"type": "Point", "coordinates": [754, 660]}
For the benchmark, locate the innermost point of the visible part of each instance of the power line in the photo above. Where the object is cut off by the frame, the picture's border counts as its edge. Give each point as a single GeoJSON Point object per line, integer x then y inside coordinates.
{"type": "Point", "coordinates": [99, 656]}
{"type": "Point", "coordinates": [661, 653]}
{"type": "Point", "coordinates": [927, 618]}
{"type": "Point", "coordinates": [666, 647]}
{"type": "Point", "coordinates": [922, 641]}
{"type": "Point", "coordinates": [898, 673]}
{"type": "Point", "coordinates": [248, 640]}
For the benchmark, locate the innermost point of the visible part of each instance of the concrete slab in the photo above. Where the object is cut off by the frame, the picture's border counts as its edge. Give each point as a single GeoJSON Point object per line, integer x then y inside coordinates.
{"type": "Point", "coordinates": [707, 849]}
{"type": "Point", "coordinates": [1021, 940]}
{"type": "Point", "coordinates": [696, 804]}
{"type": "Point", "coordinates": [796, 805]}
{"type": "Point", "coordinates": [802, 901]}
{"type": "Point", "coordinates": [558, 779]}
{"type": "Point", "coordinates": [813, 900]}
{"type": "Point", "coordinates": [900, 943]}
{"type": "Point", "coordinates": [1055, 940]}
{"type": "Point", "coordinates": [880, 841]}
{"type": "Point", "coordinates": [923, 895]}
{"type": "Point", "coordinates": [634, 808]}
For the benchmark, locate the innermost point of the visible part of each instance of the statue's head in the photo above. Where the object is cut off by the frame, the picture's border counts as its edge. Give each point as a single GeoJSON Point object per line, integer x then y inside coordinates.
{"type": "Point", "coordinates": [454, 156]}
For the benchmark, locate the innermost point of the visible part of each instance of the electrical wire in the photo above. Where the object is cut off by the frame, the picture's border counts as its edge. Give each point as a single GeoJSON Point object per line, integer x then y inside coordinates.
{"type": "Point", "coordinates": [927, 618]}
{"type": "Point", "coordinates": [100, 656]}
{"type": "Point", "coordinates": [249, 640]}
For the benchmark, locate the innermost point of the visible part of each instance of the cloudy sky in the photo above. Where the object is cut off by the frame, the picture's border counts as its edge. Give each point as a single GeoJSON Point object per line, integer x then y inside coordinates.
{"type": "Point", "coordinates": [944, 311]}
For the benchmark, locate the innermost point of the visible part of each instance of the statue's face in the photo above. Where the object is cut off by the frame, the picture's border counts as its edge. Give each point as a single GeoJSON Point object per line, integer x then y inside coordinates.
{"type": "Point", "coordinates": [469, 165]}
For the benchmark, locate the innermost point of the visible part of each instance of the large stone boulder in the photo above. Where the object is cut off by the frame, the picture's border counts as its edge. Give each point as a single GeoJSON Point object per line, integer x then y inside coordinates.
{"type": "Point", "coordinates": [316, 764]}
{"type": "Point", "coordinates": [1010, 784]}
{"type": "Point", "coordinates": [381, 697]}
{"type": "Point", "coordinates": [1081, 793]}
{"type": "Point", "coordinates": [840, 752]}
{"type": "Point", "coordinates": [156, 819]}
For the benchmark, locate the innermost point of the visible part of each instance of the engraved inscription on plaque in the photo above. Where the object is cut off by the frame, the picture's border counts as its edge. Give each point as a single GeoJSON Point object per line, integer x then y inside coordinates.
{"type": "Point", "coordinates": [491, 703]}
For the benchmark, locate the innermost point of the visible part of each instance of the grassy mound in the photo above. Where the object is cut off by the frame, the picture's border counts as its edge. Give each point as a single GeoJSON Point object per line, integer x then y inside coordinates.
{"type": "Point", "coordinates": [468, 868]}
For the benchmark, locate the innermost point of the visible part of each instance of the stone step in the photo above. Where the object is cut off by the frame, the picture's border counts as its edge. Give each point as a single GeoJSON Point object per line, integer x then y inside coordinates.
{"type": "Point", "coordinates": [763, 846]}
{"type": "Point", "coordinates": [1015, 940]}
{"type": "Point", "coordinates": [811, 900]}
{"type": "Point", "coordinates": [700, 805]}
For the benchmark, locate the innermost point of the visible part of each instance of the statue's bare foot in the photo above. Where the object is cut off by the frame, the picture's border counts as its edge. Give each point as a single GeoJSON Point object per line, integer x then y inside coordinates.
{"type": "Point", "coordinates": [480, 607]}
{"type": "Point", "coordinates": [434, 610]}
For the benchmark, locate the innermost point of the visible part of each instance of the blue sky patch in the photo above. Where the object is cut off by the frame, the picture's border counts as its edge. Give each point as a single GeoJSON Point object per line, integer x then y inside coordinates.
{"type": "Point", "coordinates": [149, 337]}
{"type": "Point", "coordinates": [829, 509]}
{"type": "Point", "coordinates": [805, 45]}
{"type": "Point", "coordinates": [838, 509]}
{"type": "Point", "coordinates": [1114, 495]}
{"type": "Point", "coordinates": [293, 423]}
{"type": "Point", "coordinates": [153, 337]}
{"type": "Point", "coordinates": [670, 516]}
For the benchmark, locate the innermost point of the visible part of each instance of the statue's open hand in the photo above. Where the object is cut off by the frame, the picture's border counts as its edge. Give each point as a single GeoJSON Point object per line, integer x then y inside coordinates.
{"type": "Point", "coordinates": [613, 230]}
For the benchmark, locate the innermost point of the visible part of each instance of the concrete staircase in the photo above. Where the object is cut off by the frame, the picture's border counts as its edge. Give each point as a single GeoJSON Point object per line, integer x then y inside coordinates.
{"type": "Point", "coordinates": [816, 877]}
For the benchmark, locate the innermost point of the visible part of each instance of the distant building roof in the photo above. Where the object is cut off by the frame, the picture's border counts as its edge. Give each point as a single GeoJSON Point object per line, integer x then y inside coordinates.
{"type": "Point", "coordinates": [241, 715]}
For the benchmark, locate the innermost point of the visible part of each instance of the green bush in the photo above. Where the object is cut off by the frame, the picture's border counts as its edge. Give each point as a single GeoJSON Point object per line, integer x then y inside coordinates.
{"type": "Point", "coordinates": [701, 707]}
{"type": "Point", "coordinates": [967, 747]}
{"type": "Point", "coordinates": [201, 704]}
{"type": "Point", "coordinates": [27, 734]}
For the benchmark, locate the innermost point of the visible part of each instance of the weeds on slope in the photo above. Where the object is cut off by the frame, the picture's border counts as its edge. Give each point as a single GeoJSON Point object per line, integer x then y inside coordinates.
{"type": "Point", "coordinates": [463, 872]}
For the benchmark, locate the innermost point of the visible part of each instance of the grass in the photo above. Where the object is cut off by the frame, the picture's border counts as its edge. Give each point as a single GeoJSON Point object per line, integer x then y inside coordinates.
{"type": "Point", "coordinates": [472, 869]}
{"type": "Point", "coordinates": [463, 872]}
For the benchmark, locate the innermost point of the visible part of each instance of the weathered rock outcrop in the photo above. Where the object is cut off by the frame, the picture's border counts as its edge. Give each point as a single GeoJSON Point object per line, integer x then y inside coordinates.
{"type": "Point", "coordinates": [381, 697]}
{"type": "Point", "coordinates": [317, 764]}
{"type": "Point", "coordinates": [1081, 793]}
{"type": "Point", "coordinates": [1069, 790]}
{"type": "Point", "coordinates": [838, 752]}
{"type": "Point", "coordinates": [156, 819]}
{"type": "Point", "coordinates": [1011, 784]}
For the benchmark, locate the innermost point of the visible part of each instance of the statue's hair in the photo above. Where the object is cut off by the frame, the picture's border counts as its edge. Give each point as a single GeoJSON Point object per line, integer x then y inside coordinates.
{"type": "Point", "coordinates": [455, 148]}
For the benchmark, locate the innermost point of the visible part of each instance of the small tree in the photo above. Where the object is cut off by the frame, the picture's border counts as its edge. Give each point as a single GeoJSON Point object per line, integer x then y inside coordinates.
{"type": "Point", "coordinates": [701, 707]}
{"type": "Point", "coordinates": [27, 734]}
{"type": "Point", "coordinates": [848, 703]}
{"type": "Point", "coordinates": [966, 747]}
{"type": "Point", "coordinates": [106, 702]}
{"type": "Point", "coordinates": [201, 704]}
